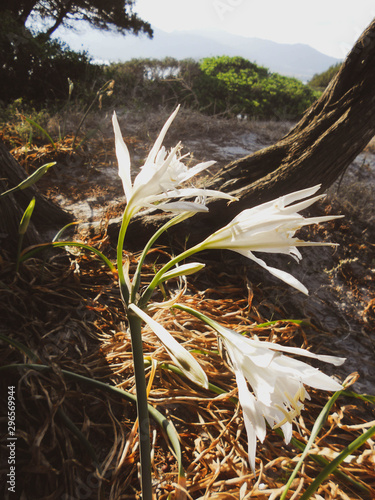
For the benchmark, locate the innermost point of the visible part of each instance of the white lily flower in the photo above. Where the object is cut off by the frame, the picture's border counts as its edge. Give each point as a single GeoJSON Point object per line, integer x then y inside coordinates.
{"type": "Point", "coordinates": [183, 359]}
{"type": "Point", "coordinates": [160, 176]}
{"type": "Point", "coordinates": [277, 382]}
{"type": "Point", "coordinates": [270, 228]}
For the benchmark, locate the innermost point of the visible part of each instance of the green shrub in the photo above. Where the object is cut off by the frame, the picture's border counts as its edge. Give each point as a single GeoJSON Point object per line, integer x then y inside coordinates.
{"type": "Point", "coordinates": [320, 81]}
{"type": "Point", "coordinates": [228, 85]}
{"type": "Point", "coordinates": [154, 82]}
{"type": "Point", "coordinates": [237, 86]}
{"type": "Point", "coordinates": [37, 69]}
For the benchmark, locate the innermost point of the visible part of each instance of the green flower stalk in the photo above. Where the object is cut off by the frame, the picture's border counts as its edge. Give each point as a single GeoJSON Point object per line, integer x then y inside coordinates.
{"type": "Point", "coordinates": [29, 181]}
{"type": "Point", "coordinates": [158, 180]}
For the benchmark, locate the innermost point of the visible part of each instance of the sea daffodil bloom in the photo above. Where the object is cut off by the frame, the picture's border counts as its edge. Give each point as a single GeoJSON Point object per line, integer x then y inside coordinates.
{"type": "Point", "coordinates": [160, 177]}
{"type": "Point", "coordinates": [277, 381]}
{"type": "Point", "coordinates": [182, 358]}
{"type": "Point", "coordinates": [270, 228]}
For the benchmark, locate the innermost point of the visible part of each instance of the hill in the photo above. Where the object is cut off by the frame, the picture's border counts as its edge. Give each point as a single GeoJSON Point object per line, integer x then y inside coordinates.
{"type": "Point", "coordinates": [297, 60]}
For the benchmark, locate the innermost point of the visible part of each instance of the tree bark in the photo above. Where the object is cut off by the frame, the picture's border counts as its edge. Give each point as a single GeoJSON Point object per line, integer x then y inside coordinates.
{"type": "Point", "coordinates": [332, 132]}
{"type": "Point", "coordinates": [46, 214]}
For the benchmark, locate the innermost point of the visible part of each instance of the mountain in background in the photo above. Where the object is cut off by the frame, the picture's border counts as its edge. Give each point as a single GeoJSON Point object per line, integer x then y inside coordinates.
{"type": "Point", "coordinates": [298, 60]}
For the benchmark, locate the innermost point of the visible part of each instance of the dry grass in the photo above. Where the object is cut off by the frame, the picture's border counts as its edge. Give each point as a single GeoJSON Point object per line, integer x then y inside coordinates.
{"type": "Point", "coordinates": [139, 125]}
{"type": "Point", "coordinates": [68, 311]}
{"type": "Point", "coordinates": [146, 124]}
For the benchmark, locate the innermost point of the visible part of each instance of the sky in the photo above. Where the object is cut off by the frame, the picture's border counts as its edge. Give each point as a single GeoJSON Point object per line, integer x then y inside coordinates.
{"type": "Point", "coordinates": [330, 26]}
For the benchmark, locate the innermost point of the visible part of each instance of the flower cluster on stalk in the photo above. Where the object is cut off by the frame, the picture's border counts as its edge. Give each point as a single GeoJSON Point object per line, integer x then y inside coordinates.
{"type": "Point", "coordinates": [277, 381]}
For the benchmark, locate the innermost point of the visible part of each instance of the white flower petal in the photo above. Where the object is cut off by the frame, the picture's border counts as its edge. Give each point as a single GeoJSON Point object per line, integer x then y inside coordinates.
{"type": "Point", "coordinates": [261, 357]}
{"type": "Point", "coordinates": [183, 270]}
{"type": "Point", "coordinates": [189, 192]}
{"type": "Point", "coordinates": [253, 419]}
{"type": "Point", "coordinates": [123, 158]}
{"type": "Point", "coordinates": [251, 441]}
{"type": "Point", "coordinates": [287, 429]}
{"type": "Point", "coordinates": [281, 203]}
{"type": "Point", "coordinates": [159, 141]}
{"type": "Point", "coordinates": [197, 169]}
{"type": "Point", "coordinates": [334, 360]}
{"type": "Point", "coordinates": [149, 181]}
{"type": "Point", "coordinates": [283, 275]}
{"type": "Point", "coordinates": [297, 207]}
{"type": "Point", "coordinates": [180, 206]}
{"type": "Point", "coordinates": [305, 373]}
{"type": "Point", "coordinates": [300, 195]}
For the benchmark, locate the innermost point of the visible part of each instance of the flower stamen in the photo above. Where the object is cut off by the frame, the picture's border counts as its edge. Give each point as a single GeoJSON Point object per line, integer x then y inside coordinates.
{"type": "Point", "coordinates": [295, 402]}
{"type": "Point", "coordinates": [289, 416]}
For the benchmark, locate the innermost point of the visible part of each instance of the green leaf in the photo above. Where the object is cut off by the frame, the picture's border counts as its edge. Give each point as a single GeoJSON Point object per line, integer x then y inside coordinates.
{"type": "Point", "coordinates": [20, 347]}
{"type": "Point", "coordinates": [365, 397]}
{"type": "Point", "coordinates": [159, 418]}
{"type": "Point", "coordinates": [31, 251]}
{"type": "Point", "coordinates": [29, 181]}
{"type": "Point", "coordinates": [44, 132]}
{"type": "Point", "coordinates": [24, 224]}
{"type": "Point", "coordinates": [62, 230]}
{"type": "Point", "coordinates": [60, 413]}
{"type": "Point", "coordinates": [332, 466]}
{"type": "Point", "coordinates": [315, 431]}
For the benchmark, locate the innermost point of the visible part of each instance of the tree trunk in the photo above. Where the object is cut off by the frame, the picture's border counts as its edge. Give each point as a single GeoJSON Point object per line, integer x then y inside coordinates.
{"type": "Point", "coordinates": [45, 215]}
{"type": "Point", "coordinates": [332, 132]}
{"type": "Point", "coordinates": [59, 18]}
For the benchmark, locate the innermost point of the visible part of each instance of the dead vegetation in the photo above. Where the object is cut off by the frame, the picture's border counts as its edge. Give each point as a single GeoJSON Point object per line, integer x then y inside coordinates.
{"type": "Point", "coordinates": [68, 312]}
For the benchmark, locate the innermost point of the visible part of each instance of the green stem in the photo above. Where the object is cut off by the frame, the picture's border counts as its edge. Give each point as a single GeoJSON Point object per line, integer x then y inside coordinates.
{"type": "Point", "coordinates": [159, 232]}
{"type": "Point", "coordinates": [155, 281]}
{"type": "Point", "coordinates": [142, 405]}
{"type": "Point", "coordinates": [19, 248]}
{"type": "Point", "coordinates": [125, 292]}
{"type": "Point", "coordinates": [30, 251]}
{"type": "Point", "coordinates": [84, 118]}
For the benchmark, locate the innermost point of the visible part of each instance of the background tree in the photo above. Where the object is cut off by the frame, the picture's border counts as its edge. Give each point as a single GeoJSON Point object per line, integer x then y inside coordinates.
{"type": "Point", "coordinates": [115, 15]}
{"type": "Point", "coordinates": [35, 67]}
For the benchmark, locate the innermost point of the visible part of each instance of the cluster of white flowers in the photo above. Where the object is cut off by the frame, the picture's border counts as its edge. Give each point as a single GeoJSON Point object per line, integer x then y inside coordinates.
{"type": "Point", "coordinates": [277, 381]}
{"type": "Point", "coordinates": [160, 177]}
